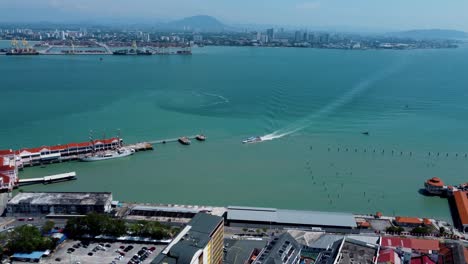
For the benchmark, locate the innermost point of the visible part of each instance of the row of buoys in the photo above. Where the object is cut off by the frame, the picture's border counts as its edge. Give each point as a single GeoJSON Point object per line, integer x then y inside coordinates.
{"type": "Point", "coordinates": [401, 153]}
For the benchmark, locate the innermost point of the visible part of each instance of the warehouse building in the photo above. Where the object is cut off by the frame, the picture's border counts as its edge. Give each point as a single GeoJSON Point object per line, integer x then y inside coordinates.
{"type": "Point", "coordinates": [278, 218]}
{"type": "Point", "coordinates": [59, 203]}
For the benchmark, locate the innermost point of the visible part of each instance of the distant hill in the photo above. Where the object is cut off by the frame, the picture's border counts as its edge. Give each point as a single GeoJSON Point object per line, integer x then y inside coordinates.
{"type": "Point", "coordinates": [431, 34]}
{"type": "Point", "coordinates": [201, 23]}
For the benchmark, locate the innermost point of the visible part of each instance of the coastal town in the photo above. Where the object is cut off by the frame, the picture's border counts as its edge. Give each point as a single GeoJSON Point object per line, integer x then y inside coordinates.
{"type": "Point", "coordinates": [68, 40]}
{"type": "Point", "coordinates": [92, 227]}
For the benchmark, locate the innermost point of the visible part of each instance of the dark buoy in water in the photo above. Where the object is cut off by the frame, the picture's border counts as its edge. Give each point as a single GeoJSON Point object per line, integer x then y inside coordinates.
{"type": "Point", "coordinates": [411, 153]}
{"type": "Point", "coordinates": [164, 142]}
{"type": "Point", "coordinates": [310, 147]}
{"type": "Point", "coordinates": [101, 59]}
{"type": "Point", "coordinates": [366, 133]}
{"type": "Point", "coordinates": [446, 155]}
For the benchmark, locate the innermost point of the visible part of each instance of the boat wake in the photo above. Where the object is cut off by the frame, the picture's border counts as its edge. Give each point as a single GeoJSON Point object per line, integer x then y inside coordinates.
{"type": "Point", "coordinates": [222, 99]}
{"type": "Point", "coordinates": [330, 108]}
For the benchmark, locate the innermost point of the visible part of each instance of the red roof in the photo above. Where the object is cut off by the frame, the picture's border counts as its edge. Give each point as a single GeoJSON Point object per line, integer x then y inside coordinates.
{"type": "Point", "coordinates": [5, 178]}
{"type": "Point", "coordinates": [427, 221]}
{"type": "Point", "coordinates": [461, 201]}
{"type": "Point", "coordinates": [6, 152]}
{"type": "Point", "coordinates": [422, 260]}
{"type": "Point", "coordinates": [386, 256]}
{"type": "Point", "coordinates": [413, 243]}
{"type": "Point", "coordinates": [408, 220]}
{"type": "Point", "coordinates": [70, 145]}
{"type": "Point", "coordinates": [6, 168]}
{"type": "Point", "coordinates": [434, 181]}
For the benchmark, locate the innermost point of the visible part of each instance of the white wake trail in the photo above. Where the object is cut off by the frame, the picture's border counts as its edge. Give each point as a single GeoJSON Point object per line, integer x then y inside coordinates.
{"type": "Point", "coordinates": [347, 97]}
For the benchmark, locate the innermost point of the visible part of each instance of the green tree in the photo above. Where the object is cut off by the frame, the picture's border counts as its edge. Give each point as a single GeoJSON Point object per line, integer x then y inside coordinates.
{"type": "Point", "coordinates": [421, 230]}
{"type": "Point", "coordinates": [48, 226]}
{"type": "Point", "coordinates": [395, 229]}
{"type": "Point", "coordinates": [28, 238]}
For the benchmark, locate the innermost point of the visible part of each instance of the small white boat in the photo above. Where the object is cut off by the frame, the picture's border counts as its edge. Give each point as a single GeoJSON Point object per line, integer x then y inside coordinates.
{"type": "Point", "coordinates": [252, 140]}
{"type": "Point", "coordinates": [113, 154]}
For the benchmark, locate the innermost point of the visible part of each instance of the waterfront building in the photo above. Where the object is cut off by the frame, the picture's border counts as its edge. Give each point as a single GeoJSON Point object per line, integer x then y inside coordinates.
{"type": "Point", "coordinates": [279, 218]}
{"type": "Point", "coordinates": [410, 221]}
{"type": "Point", "coordinates": [47, 154]}
{"type": "Point", "coordinates": [461, 203]}
{"type": "Point", "coordinates": [283, 249]}
{"type": "Point", "coordinates": [59, 203]}
{"type": "Point", "coordinates": [200, 242]}
{"type": "Point", "coordinates": [453, 253]}
{"type": "Point", "coordinates": [435, 186]}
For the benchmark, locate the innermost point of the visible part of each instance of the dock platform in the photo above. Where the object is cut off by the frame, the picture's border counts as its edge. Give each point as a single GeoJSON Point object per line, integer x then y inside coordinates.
{"type": "Point", "coordinates": [164, 141]}
{"type": "Point", "coordinates": [140, 146]}
{"type": "Point", "coordinates": [49, 179]}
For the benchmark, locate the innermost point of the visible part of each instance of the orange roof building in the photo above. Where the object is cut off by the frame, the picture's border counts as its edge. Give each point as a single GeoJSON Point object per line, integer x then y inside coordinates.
{"type": "Point", "coordinates": [434, 186]}
{"type": "Point", "coordinates": [408, 221]}
{"type": "Point", "coordinates": [461, 202]}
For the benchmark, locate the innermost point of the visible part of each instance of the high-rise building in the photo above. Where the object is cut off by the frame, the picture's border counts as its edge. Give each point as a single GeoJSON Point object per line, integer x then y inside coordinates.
{"type": "Point", "coordinates": [271, 34]}
{"type": "Point", "coordinates": [200, 242]}
{"type": "Point", "coordinates": [298, 36]}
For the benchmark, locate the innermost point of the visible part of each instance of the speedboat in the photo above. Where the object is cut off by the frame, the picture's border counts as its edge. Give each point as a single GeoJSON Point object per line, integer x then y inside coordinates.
{"type": "Point", "coordinates": [252, 140]}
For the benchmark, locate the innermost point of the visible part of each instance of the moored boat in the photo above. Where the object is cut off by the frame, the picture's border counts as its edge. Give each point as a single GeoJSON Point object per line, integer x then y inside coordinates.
{"type": "Point", "coordinates": [113, 154]}
{"type": "Point", "coordinates": [201, 137]}
{"type": "Point", "coordinates": [184, 141]}
{"type": "Point", "coordinates": [252, 140]}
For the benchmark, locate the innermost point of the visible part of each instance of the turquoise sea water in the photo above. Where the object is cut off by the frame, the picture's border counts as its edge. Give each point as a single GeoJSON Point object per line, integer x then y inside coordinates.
{"type": "Point", "coordinates": [313, 104]}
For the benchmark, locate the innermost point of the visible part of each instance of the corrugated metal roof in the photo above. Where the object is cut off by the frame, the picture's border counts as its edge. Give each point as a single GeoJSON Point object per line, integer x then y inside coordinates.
{"type": "Point", "coordinates": [296, 217]}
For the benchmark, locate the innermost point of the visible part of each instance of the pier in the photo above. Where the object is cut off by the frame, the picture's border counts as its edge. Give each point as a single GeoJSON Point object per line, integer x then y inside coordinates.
{"type": "Point", "coordinates": [49, 179]}
{"type": "Point", "coordinates": [164, 141]}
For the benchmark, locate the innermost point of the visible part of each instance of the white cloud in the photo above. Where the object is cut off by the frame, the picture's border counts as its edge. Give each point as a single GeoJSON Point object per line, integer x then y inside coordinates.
{"type": "Point", "coordinates": [308, 5]}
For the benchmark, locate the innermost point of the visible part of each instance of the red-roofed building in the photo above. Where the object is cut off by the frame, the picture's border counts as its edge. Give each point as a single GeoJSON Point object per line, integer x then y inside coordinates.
{"type": "Point", "coordinates": [434, 186]}
{"type": "Point", "coordinates": [388, 256]}
{"type": "Point", "coordinates": [408, 221]}
{"type": "Point", "coordinates": [461, 203]}
{"type": "Point", "coordinates": [420, 245]}
{"type": "Point", "coordinates": [34, 156]}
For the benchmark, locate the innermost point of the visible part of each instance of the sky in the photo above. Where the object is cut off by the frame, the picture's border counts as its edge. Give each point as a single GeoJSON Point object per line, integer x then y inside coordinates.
{"type": "Point", "coordinates": [364, 14]}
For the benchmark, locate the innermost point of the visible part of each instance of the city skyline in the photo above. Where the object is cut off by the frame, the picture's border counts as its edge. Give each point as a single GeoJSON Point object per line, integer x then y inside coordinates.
{"type": "Point", "coordinates": [327, 14]}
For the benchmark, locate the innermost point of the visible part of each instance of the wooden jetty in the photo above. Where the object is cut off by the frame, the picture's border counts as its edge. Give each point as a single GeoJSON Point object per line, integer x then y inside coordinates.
{"type": "Point", "coordinates": [49, 179]}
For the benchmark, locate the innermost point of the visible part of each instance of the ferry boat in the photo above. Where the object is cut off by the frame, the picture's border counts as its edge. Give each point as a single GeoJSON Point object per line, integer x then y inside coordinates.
{"type": "Point", "coordinates": [132, 52]}
{"type": "Point", "coordinates": [252, 140]}
{"type": "Point", "coordinates": [200, 137]}
{"type": "Point", "coordinates": [184, 141]}
{"type": "Point", "coordinates": [114, 154]}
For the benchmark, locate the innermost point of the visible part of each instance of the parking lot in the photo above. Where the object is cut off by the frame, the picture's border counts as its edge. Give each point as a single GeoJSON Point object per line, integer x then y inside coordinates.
{"type": "Point", "coordinates": [72, 251]}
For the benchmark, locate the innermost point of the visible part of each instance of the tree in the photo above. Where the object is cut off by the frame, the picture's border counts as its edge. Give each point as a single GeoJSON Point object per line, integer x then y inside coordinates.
{"type": "Point", "coordinates": [48, 226]}
{"type": "Point", "coordinates": [244, 229]}
{"type": "Point", "coordinates": [395, 229]}
{"type": "Point", "coordinates": [421, 230]}
{"type": "Point", "coordinates": [28, 238]}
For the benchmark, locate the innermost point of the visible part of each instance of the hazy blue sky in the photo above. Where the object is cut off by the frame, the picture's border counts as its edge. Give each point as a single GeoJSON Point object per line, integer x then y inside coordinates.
{"type": "Point", "coordinates": [378, 14]}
